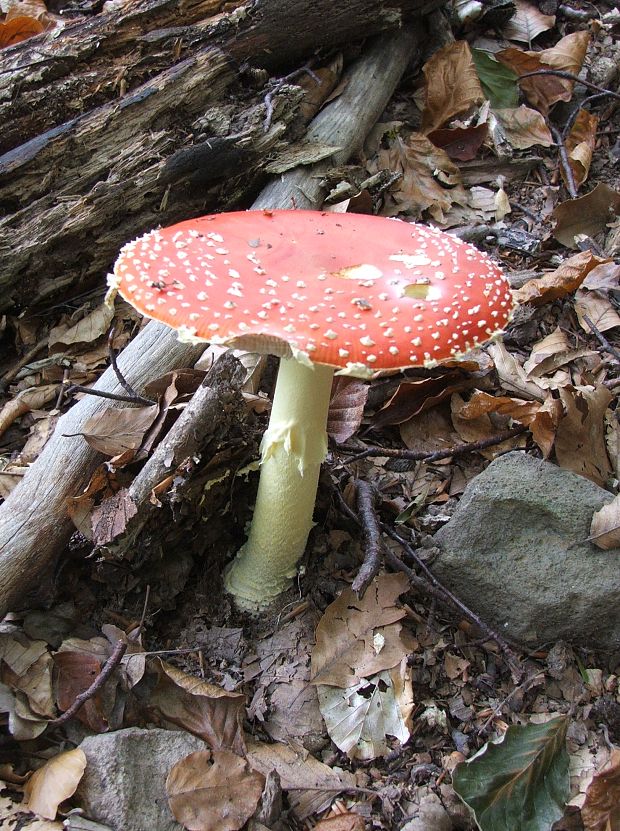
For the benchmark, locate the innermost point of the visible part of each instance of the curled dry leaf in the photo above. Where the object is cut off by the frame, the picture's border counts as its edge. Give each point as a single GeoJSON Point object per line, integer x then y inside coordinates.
{"type": "Point", "coordinates": [605, 527]}
{"type": "Point", "coordinates": [56, 781]}
{"type": "Point", "coordinates": [580, 437]}
{"type": "Point", "coordinates": [346, 408]}
{"type": "Point", "coordinates": [524, 127]}
{"type": "Point", "coordinates": [580, 144]}
{"type": "Point", "coordinates": [18, 29]}
{"type": "Point", "coordinates": [558, 283]}
{"type": "Point", "coordinates": [452, 85]}
{"type": "Point", "coordinates": [91, 327]}
{"type": "Point", "coordinates": [115, 431]}
{"type": "Point", "coordinates": [213, 791]}
{"type": "Point", "coordinates": [34, 398]}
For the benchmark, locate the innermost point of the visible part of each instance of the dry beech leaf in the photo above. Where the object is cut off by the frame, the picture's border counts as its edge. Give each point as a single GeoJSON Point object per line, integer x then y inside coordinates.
{"type": "Point", "coordinates": [341, 822]}
{"type": "Point", "coordinates": [115, 431]}
{"type": "Point", "coordinates": [524, 127]}
{"type": "Point", "coordinates": [559, 283]}
{"type": "Point", "coordinates": [18, 29]}
{"type": "Point", "coordinates": [359, 638]}
{"type": "Point", "coordinates": [580, 437]}
{"type": "Point", "coordinates": [452, 85]}
{"type": "Point", "coordinates": [580, 144]}
{"type": "Point", "coordinates": [460, 143]}
{"type": "Point", "coordinates": [476, 425]}
{"type": "Point", "coordinates": [213, 791]}
{"type": "Point", "coordinates": [91, 327]}
{"type": "Point", "coordinates": [34, 398]}
{"type": "Point", "coordinates": [605, 527]}
{"type": "Point", "coordinates": [56, 781]}
{"type": "Point", "coordinates": [527, 23]}
{"type": "Point", "coordinates": [587, 215]}
{"type": "Point", "coordinates": [209, 712]}
{"type": "Point", "coordinates": [311, 786]}
{"type": "Point", "coordinates": [598, 308]}
{"type": "Point", "coordinates": [346, 408]}
{"type": "Point", "coordinates": [601, 810]}
{"type": "Point", "coordinates": [512, 375]}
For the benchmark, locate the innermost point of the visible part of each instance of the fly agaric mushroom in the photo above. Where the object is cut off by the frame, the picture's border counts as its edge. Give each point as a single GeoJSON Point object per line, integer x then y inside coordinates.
{"type": "Point", "coordinates": [327, 293]}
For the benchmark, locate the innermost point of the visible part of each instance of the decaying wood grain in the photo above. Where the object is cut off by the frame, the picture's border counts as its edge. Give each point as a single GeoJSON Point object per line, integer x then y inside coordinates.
{"type": "Point", "coordinates": [34, 526]}
{"type": "Point", "coordinates": [146, 116]}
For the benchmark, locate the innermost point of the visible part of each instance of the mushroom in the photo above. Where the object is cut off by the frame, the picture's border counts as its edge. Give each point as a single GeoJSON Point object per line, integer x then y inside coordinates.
{"type": "Point", "coordinates": [326, 293]}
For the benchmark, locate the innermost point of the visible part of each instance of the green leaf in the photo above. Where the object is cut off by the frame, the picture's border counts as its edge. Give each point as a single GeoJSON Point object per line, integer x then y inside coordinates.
{"type": "Point", "coordinates": [499, 83]}
{"type": "Point", "coordinates": [519, 782]}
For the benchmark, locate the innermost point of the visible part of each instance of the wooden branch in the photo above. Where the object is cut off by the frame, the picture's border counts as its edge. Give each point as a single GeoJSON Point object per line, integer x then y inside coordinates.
{"type": "Point", "coordinates": [34, 526]}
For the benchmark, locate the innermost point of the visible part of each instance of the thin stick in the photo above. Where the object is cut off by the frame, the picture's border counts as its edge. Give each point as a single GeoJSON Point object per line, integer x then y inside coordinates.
{"type": "Point", "coordinates": [107, 670]}
{"type": "Point", "coordinates": [602, 339]}
{"type": "Point", "coordinates": [373, 546]}
{"type": "Point", "coordinates": [423, 456]}
{"type": "Point", "coordinates": [571, 185]}
{"type": "Point", "coordinates": [568, 76]}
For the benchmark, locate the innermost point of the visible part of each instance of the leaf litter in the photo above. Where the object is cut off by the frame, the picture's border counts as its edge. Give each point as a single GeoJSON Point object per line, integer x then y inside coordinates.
{"type": "Point", "coordinates": [387, 672]}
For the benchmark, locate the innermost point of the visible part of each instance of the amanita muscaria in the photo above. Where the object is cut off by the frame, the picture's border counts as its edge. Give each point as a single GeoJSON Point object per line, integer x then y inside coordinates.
{"type": "Point", "coordinates": [326, 292]}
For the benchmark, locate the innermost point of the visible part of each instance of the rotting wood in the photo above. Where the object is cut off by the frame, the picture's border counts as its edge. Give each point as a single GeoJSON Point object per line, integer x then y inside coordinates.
{"type": "Point", "coordinates": [34, 526]}
{"type": "Point", "coordinates": [143, 117]}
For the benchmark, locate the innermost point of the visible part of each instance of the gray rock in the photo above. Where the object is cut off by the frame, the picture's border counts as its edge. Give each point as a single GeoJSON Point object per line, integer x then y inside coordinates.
{"type": "Point", "coordinates": [124, 784]}
{"type": "Point", "coordinates": [515, 552]}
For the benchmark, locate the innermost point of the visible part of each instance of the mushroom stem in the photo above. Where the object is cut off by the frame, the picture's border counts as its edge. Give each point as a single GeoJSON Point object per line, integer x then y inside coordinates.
{"type": "Point", "coordinates": [292, 450]}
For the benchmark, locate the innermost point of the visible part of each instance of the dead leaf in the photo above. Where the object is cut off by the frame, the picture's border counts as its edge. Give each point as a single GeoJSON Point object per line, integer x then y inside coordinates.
{"type": "Point", "coordinates": [311, 786]}
{"type": "Point", "coordinates": [56, 781]}
{"type": "Point", "coordinates": [558, 283]}
{"type": "Point", "coordinates": [472, 423]}
{"type": "Point", "coordinates": [115, 430]}
{"type": "Point", "coordinates": [601, 810]}
{"type": "Point", "coordinates": [359, 638]}
{"type": "Point", "coordinates": [346, 408]}
{"type": "Point", "coordinates": [90, 328]}
{"type": "Point", "coordinates": [527, 23]}
{"type": "Point", "coordinates": [341, 822]}
{"type": "Point", "coordinates": [34, 398]}
{"type": "Point", "coordinates": [213, 791]}
{"type": "Point", "coordinates": [75, 672]}
{"type": "Point", "coordinates": [460, 143]}
{"type": "Point", "coordinates": [12, 812]}
{"type": "Point", "coordinates": [524, 127]}
{"type": "Point", "coordinates": [598, 308]}
{"type": "Point", "coordinates": [511, 373]}
{"type": "Point", "coordinates": [110, 519]}
{"type": "Point", "coordinates": [18, 29]}
{"type": "Point", "coordinates": [360, 718]}
{"type": "Point", "coordinates": [209, 712]}
{"type": "Point", "coordinates": [605, 527]}
{"type": "Point", "coordinates": [315, 95]}
{"type": "Point", "coordinates": [580, 438]}
{"type": "Point", "coordinates": [452, 85]}
{"type": "Point", "coordinates": [580, 144]}
{"type": "Point", "coordinates": [586, 215]}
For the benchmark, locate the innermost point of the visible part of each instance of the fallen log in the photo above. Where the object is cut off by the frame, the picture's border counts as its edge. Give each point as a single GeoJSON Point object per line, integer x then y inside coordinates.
{"type": "Point", "coordinates": [145, 116]}
{"type": "Point", "coordinates": [34, 526]}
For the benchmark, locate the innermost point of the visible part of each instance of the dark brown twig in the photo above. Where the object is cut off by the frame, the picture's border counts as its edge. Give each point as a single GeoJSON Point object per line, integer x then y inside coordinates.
{"type": "Point", "coordinates": [373, 546]}
{"type": "Point", "coordinates": [268, 99]}
{"type": "Point", "coordinates": [423, 456]}
{"type": "Point", "coordinates": [107, 670]}
{"type": "Point", "coordinates": [568, 76]}
{"type": "Point", "coordinates": [571, 185]}
{"type": "Point", "coordinates": [602, 339]}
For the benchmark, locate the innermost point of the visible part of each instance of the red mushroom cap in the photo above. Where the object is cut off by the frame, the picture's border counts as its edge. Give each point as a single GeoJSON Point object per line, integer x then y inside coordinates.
{"type": "Point", "coordinates": [362, 293]}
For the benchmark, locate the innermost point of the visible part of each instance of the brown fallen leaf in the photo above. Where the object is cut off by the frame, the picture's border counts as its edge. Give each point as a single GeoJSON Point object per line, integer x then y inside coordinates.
{"type": "Point", "coordinates": [452, 85]}
{"type": "Point", "coordinates": [460, 143]}
{"type": "Point", "coordinates": [601, 810]}
{"type": "Point", "coordinates": [90, 328]}
{"type": "Point", "coordinates": [586, 215]}
{"type": "Point", "coordinates": [476, 425]}
{"type": "Point", "coordinates": [580, 437]}
{"type": "Point", "coordinates": [18, 29]}
{"type": "Point", "coordinates": [34, 398]}
{"type": "Point", "coordinates": [357, 638]}
{"type": "Point", "coordinates": [558, 283]}
{"type": "Point", "coordinates": [598, 308]}
{"type": "Point", "coordinates": [56, 781]}
{"type": "Point", "coordinates": [209, 712]}
{"type": "Point", "coordinates": [580, 144]}
{"type": "Point", "coordinates": [605, 527]}
{"type": "Point", "coordinates": [527, 23]}
{"type": "Point", "coordinates": [213, 791]}
{"type": "Point", "coordinates": [524, 127]}
{"type": "Point", "coordinates": [341, 822]}
{"type": "Point", "coordinates": [115, 431]}
{"type": "Point", "coordinates": [346, 408]}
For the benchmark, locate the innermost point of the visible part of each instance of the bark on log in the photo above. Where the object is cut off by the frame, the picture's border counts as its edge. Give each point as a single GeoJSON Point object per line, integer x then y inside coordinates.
{"type": "Point", "coordinates": [34, 526]}
{"type": "Point", "coordinates": [127, 121]}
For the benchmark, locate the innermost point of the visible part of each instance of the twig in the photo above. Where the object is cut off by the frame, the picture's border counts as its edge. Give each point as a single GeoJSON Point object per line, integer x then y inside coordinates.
{"type": "Point", "coordinates": [571, 185]}
{"type": "Point", "coordinates": [568, 76]}
{"type": "Point", "coordinates": [373, 547]}
{"type": "Point", "coordinates": [602, 339]}
{"type": "Point", "coordinates": [268, 99]}
{"type": "Point", "coordinates": [435, 588]}
{"type": "Point", "coordinates": [419, 455]}
{"type": "Point", "coordinates": [107, 670]}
